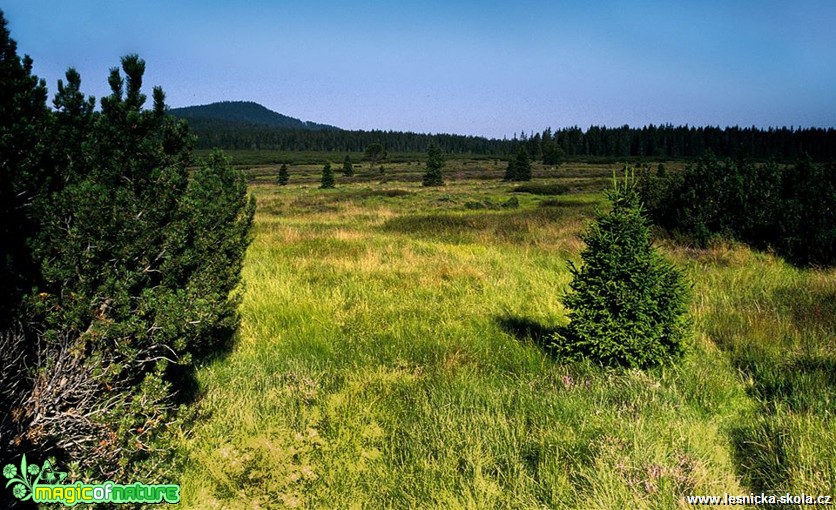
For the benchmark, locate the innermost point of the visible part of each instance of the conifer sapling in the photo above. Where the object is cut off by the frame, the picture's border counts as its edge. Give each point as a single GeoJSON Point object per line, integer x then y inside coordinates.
{"type": "Point", "coordinates": [627, 305]}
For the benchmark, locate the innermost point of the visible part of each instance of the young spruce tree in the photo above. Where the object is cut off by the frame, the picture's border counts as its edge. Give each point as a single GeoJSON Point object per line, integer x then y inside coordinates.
{"type": "Point", "coordinates": [283, 176]}
{"type": "Point", "coordinates": [627, 305]}
{"type": "Point", "coordinates": [519, 167]}
{"type": "Point", "coordinates": [511, 170]}
{"type": "Point", "coordinates": [348, 166]}
{"type": "Point", "coordinates": [327, 177]}
{"type": "Point", "coordinates": [435, 163]}
{"type": "Point", "coordinates": [522, 166]}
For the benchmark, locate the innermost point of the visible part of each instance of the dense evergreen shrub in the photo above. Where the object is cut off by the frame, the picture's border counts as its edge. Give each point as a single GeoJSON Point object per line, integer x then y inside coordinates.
{"type": "Point", "coordinates": [541, 189]}
{"type": "Point", "coordinates": [627, 305]}
{"type": "Point", "coordinates": [791, 209]}
{"type": "Point", "coordinates": [135, 265]}
{"type": "Point", "coordinates": [23, 118]}
{"type": "Point", "coordinates": [806, 221]}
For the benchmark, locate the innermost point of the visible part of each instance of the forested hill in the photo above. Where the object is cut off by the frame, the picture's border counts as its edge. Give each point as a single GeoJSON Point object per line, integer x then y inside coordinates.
{"type": "Point", "coordinates": [241, 115]}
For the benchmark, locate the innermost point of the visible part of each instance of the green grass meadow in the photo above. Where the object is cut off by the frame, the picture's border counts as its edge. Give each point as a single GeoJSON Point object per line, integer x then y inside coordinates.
{"type": "Point", "coordinates": [391, 355]}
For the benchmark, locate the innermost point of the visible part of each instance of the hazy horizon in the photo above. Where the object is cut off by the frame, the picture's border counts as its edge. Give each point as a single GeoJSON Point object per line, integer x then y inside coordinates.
{"type": "Point", "coordinates": [474, 68]}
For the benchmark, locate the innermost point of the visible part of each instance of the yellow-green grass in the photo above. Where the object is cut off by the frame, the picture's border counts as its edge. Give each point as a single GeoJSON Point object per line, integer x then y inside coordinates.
{"type": "Point", "coordinates": [390, 356]}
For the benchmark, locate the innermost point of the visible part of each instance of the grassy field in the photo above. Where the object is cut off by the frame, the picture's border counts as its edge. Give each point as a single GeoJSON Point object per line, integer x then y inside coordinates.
{"type": "Point", "coordinates": [391, 356]}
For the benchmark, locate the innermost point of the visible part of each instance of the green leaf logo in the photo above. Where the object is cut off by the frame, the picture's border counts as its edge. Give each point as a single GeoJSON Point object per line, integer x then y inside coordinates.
{"type": "Point", "coordinates": [30, 475]}
{"type": "Point", "coordinates": [23, 488]}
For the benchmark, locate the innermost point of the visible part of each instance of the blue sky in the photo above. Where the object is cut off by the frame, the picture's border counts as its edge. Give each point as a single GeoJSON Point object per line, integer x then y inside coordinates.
{"type": "Point", "coordinates": [485, 68]}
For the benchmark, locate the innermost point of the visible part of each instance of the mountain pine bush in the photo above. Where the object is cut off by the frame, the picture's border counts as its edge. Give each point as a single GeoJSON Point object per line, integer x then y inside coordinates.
{"type": "Point", "coordinates": [131, 266]}
{"type": "Point", "coordinates": [790, 209]}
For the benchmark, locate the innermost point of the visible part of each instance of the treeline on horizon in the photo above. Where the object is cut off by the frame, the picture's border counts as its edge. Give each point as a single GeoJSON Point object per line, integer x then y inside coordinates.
{"type": "Point", "coordinates": [649, 142]}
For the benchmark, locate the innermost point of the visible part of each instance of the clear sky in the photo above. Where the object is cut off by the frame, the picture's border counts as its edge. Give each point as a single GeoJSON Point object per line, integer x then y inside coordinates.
{"type": "Point", "coordinates": [488, 68]}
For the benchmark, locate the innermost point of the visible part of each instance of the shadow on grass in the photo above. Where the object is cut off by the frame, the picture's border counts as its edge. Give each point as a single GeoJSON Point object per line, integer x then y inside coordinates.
{"type": "Point", "coordinates": [541, 189]}
{"type": "Point", "coordinates": [801, 378]}
{"type": "Point", "coordinates": [183, 378]}
{"type": "Point", "coordinates": [800, 384]}
{"type": "Point", "coordinates": [813, 306]}
{"type": "Point", "coordinates": [803, 383]}
{"type": "Point", "coordinates": [760, 456]}
{"type": "Point", "coordinates": [783, 385]}
{"type": "Point", "coordinates": [525, 329]}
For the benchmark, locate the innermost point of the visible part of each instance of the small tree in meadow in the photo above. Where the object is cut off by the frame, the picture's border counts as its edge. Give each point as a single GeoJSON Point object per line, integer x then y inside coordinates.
{"type": "Point", "coordinates": [348, 166]}
{"type": "Point", "coordinates": [519, 167]}
{"type": "Point", "coordinates": [627, 305]}
{"type": "Point", "coordinates": [435, 163]}
{"type": "Point", "coordinates": [523, 165]}
{"type": "Point", "coordinates": [375, 152]}
{"type": "Point", "coordinates": [327, 177]}
{"type": "Point", "coordinates": [511, 170]}
{"type": "Point", "coordinates": [284, 176]}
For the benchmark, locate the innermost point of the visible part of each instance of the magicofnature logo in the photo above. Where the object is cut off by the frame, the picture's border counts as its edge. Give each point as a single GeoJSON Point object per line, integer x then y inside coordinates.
{"type": "Point", "coordinates": [43, 484]}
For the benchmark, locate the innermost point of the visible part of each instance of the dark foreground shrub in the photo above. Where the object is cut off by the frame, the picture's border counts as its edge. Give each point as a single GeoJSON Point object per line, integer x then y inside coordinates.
{"type": "Point", "coordinates": [790, 209]}
{"type": "Point", "coordinates": [135, 260]}
{"type": "Point", "coordinates": [627, 306]}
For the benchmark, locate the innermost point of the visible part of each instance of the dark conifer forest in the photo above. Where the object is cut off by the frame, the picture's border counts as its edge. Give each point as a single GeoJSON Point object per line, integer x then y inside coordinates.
{"type": "Point", "coordinates": [240, 125]}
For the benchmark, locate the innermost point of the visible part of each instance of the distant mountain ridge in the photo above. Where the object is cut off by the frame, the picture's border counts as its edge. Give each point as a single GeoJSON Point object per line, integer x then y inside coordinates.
{"type": "Point", "coordinates": [231, 114]}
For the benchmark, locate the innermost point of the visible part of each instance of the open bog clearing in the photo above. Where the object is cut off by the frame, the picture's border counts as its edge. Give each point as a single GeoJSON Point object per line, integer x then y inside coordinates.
{"type": "Point", "coordinates": [393, 354]}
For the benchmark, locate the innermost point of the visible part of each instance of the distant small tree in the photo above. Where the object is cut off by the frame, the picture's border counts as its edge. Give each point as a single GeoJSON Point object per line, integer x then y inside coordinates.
{"type": "Point", "coordinates": [327, 177]}
{"type": "Point", "coordinates": [375, 152]}
{"type": "Point", "coordinates": [661, 172]}
{"type": "Point", "coordinates": [511, 170]}
{"type": "Point", "coordinates": [348, 166]}
{"type": "Point", "coordinates": [284, 176]}
{"type": "Point", "coordinates": [627, 305]}
{"type": "Point", "coordinates": [519, 167]}
{"type": "Point", "coordinates": [523, 165]}
{"type": "Point", "coordinates": [435, 163]}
